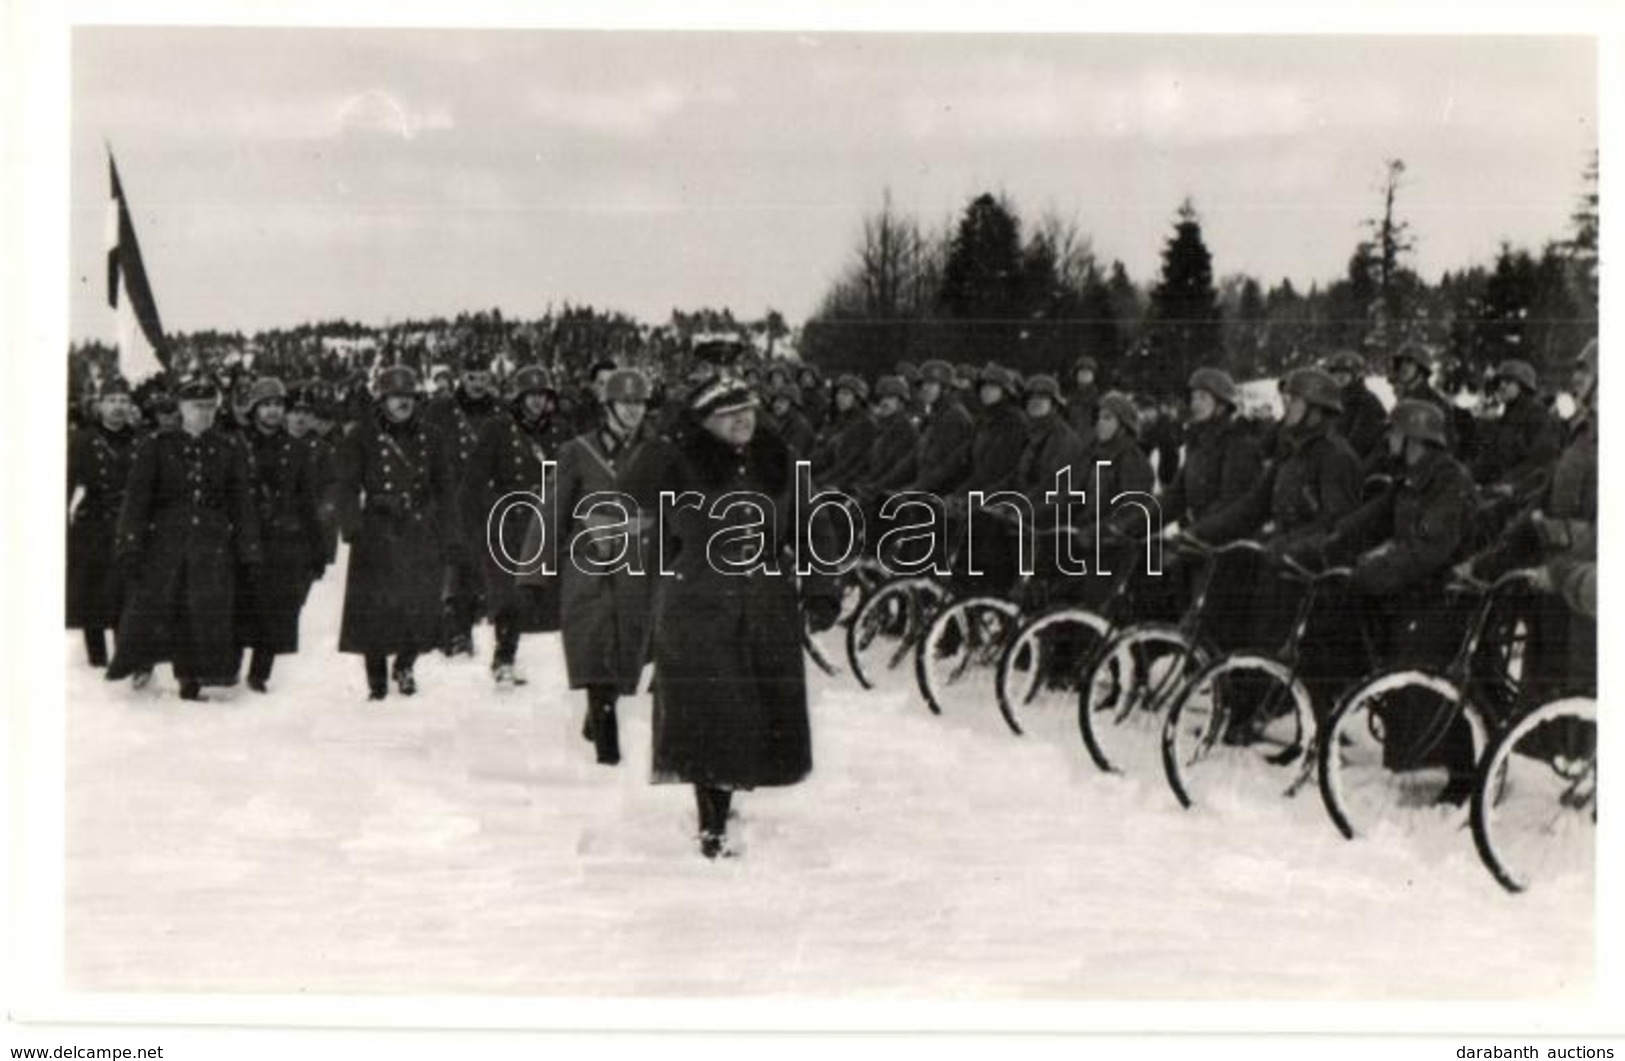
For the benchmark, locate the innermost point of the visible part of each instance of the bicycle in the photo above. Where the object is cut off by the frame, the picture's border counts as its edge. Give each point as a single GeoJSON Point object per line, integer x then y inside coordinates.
{"type": "Point", "coordinates": [1209, 724]}
{"type": "Point", "coordinates": [1366, 780]}
{"type": "Point", "coordinates": [1135, 673]}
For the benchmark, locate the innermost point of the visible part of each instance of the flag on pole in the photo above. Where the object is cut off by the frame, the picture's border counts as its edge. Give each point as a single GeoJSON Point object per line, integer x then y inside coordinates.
{"type": "Point", "coordinates": [140, 335]}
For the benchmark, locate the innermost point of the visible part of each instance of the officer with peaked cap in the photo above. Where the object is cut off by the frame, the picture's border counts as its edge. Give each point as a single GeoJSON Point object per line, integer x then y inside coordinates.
{"type": "Point", "coordinates": [730, 709]}
{"type": "Point", "coordinates": [186, 525]}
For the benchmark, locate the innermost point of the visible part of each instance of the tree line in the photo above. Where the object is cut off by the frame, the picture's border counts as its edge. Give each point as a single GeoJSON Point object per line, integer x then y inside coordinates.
{"type": "Point", "coordinates": [1035, 297]}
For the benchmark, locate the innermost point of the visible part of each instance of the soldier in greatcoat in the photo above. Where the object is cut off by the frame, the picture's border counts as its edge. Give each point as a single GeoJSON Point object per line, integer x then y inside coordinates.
{"type": "Point", "coordinates": [100, 454]}
{"type": "Point", "coordinates": [185, 528]}
{"type": "Point", "coordinates": [293, 542]}
{"type": "Point", "coordinates": [454, 424]}
{"type": "Point", "coordinates": [606, 589]}
{"type": "Point", "coordinates": [848, 436]}
{"type": "Point", "coordinates": [730, 708]}
{"type": "Point", "coordinates": [397, 511]}
{"type": "Point", "coordinates": [508, 461]}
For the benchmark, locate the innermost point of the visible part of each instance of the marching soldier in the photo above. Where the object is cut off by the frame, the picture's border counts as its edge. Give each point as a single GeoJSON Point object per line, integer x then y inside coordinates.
{"type": "Point", "coordinates": [186, 525]}
{"type": "Point", "coordinates": [306, 415]}
{"type": "Point", "coordinates": [395, 510]}
{"type": "Point", "coordinates": [99, 458]}
{"type": "Point", "coordinates": [1362, 422]}
{"type": "Point", "coordinates": [454, 425]}
{"type": "Point", "coordinates": [509, 459]}
{"type": "Point", "coordinates": [605, 612]}
{"type": "Point", "coordinates": [293, 542]}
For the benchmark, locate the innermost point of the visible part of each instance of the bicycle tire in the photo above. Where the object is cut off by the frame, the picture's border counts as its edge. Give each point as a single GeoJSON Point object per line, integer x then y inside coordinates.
{"type": "Point", "coordinates": [1114, 709]}
{"type": "Point", "coordinates": [1021, 665]}
{"type": "Point", "coordinates": [910, 596]}
{"type": "Point", "coordinates": [964, 617]}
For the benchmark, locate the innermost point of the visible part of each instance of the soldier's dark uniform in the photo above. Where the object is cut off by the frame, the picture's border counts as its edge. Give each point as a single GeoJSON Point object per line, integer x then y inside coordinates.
{"type": "Point", "coordinates": [943, 454]}
{"type": "Point", "coordinates": [454, 424]}
{"type": "Point", "coordinates": [398, 512]}
{"type": "Point", "coordinates": [1315, 482]}
{"type": "Point", "coordinates": [187, 523]}
{"type": "Point", "coordinates": [99, 461]}
{"type": "Point", "coordinates": [1364, 422]}
{"type": "Point", "coordinates": [1223, 461]}
{"type": "Point", "coordinates": [508, 459]}
{"type": "Point", "coordinates": [1397, 586]}
{"type": "Point", "coordinates": [792, 427]}
{"type": "Point", "coordinates": [847, 439]}
{"type": "Point", "coordinates": [293, 542]}
{"type": "Point", "coordinates": [890, 462]}
{"type": "Point", "coordinates": [1521, 445]}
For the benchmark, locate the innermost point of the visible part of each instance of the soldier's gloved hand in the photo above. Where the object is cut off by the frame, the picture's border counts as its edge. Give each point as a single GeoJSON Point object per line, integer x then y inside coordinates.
{"type": "Point", "coordinates": [820, 612]}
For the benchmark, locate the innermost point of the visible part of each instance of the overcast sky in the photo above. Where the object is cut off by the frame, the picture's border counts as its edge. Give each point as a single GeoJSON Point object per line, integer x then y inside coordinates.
{"type": "Point", "coordinates": [283, 175]}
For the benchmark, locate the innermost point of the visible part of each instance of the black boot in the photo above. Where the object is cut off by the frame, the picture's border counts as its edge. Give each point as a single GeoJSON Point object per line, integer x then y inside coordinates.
{"type": "Point", "coordinates": [96, 646]}
{"type": "Point", "coordinates": [404, 680]}
{"type": "Point", "coordinates": [713, 805]}
{"type": "Point", "coordinates": [377, 677]}
{"type": "Point", "coordinates": [192, 689]}
{"type": "Point", "coordinates": [606, 730]}
{"type": "Point", "coordinates": [259, 669]}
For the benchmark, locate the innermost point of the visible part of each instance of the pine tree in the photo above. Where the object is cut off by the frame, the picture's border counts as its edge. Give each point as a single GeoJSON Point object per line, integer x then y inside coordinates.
{"type": "Point", "coordinates": [1184, 325]}
{"type": "Point", "coordinates": [982, 281]}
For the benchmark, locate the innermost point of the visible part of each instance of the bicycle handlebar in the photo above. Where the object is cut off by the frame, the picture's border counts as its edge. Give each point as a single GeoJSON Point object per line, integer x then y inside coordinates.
{"type": "Point", "coordinates": [1460, 583]}
{"type": "Point", "coordinates": [1300, 573]}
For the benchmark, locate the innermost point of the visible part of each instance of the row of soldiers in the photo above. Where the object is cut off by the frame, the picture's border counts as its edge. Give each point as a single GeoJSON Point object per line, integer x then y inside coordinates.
{"type": "Point", "coordinates": [300, 470]}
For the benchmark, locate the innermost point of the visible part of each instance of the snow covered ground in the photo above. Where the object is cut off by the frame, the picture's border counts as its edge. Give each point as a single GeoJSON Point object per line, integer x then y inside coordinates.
{"type": "Point", "coordinates": [463, 841]}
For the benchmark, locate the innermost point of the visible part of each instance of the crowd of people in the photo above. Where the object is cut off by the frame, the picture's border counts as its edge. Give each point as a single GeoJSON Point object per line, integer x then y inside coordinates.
{"type": "Point", "coordinates": [200, 516]}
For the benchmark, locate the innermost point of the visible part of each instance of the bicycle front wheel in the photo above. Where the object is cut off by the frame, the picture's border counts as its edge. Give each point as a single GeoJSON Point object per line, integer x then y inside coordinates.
{"type": "Point", "coordinates": [1244, 724]}
{"type": "Point", "coordinates": [1041, 669]}
{"type": "Point", "coordinates": [955, 663]}
{"type": "Point", "coordinates": [1534, 813]}
{"type": "Point", "coordinates": [888, 624]}
{"type": "Point", "coordinates": [1126, 691]}
{"type": "Point", "coordinates": [1400, 752]}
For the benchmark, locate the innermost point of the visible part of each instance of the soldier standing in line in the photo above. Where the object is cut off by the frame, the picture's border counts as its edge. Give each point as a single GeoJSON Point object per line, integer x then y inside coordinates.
{"type": "Point", "coordinates": [293, 542]}
{"type": "Point", "coordinates": [454, 425]}
{"type": "Point", "coordinates": [508, 459]}
{"type": "Point", "coordinates": [186, 525]}
{"type": "Point", "coordinates": [788, 421]}
{"type": "Point", "coordinates": [305, 412]}
{"type": "Point", "coordinates": [396, 510]}
{"type": "Point", "coordinates": [99, 458]}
